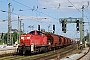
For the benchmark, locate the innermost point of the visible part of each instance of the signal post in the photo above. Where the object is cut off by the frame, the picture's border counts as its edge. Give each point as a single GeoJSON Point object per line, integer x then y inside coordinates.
{"type": "Point", "coordinates": [78, 21]}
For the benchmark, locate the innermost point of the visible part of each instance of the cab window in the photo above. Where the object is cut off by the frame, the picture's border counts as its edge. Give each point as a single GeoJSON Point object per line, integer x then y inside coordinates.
{"type": "Point", "coordinates": [39, 33]}
{"type": "Point", "coordinates": [32, 32]}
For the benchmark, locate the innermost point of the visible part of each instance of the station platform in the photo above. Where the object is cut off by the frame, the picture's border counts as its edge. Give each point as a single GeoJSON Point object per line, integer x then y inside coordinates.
{"type": "Point", "coordinates": [4, 49]}
{"type": "Point", "coordinates": [78, 55]}
{"type": "Point", "coordinates": [87, 57]}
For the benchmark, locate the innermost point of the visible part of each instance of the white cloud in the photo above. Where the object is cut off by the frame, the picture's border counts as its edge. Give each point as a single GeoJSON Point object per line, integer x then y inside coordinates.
{"type": "Point", "coordinates": [63, 3]}
{"type": "Point", "coordinates": [36, 18]}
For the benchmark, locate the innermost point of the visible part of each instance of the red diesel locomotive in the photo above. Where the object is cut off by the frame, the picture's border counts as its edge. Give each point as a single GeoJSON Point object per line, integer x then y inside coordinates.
{"type": "Point", "coordinates": [36, 41]}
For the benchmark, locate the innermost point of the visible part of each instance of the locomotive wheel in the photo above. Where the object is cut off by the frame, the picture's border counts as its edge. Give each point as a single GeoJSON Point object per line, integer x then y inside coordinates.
{"type": "Point", "coordinates": [23, 50]}
{"type": "Point", "coordinates": [19, 51]}
{"type": "Point", "coordinates": [46, 49]}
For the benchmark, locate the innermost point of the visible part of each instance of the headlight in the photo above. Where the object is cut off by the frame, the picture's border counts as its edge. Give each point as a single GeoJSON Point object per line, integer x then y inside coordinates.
{"type": "Point", "coordinates": [22, 38]}
{"type": "Point", "coordinates": [28, 37]}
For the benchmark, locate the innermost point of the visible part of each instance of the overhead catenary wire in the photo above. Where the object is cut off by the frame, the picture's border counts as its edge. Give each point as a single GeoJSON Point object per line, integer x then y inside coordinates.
{"type": "Point", "coordinates": [34, 10]}
{"type": "Point", "coordinates": [37, 10]}
{"type": "Point", "coordinates": [74, 6]}
{"type": "Point", "coordinates": [86, 7]}
{"type": "Point", "coordinates": [19, 14]}
{"type": "Point", "coordinates": [78, 9]}
{"type": "Point", "coordinates": [58, 8]}
{"type": "Point", "coordinates": [27, 7]}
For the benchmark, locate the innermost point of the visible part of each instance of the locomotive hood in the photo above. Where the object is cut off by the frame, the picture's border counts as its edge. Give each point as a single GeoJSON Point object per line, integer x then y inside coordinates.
{"type": "Point", "coordinates": [34, 37]}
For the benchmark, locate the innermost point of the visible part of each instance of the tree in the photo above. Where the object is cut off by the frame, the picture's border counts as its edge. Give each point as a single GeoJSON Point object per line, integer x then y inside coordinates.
{"type": "Point", "coordinates": [14, 35]}
{"type": "Point", "coordinates": [5, 38]}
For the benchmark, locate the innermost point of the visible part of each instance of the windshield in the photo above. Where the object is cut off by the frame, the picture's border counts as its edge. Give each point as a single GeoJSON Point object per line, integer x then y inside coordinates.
{"type": "Point", "coordinates": [33, 32]}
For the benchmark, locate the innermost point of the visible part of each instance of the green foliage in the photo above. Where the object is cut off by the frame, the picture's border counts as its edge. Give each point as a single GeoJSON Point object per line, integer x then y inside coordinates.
{"type": "Point", "coordinates": [5, 38]}
{"type": "Point", "coordinates": [14, 37]}
{"type": "Point", "coordinates": [0, 42]}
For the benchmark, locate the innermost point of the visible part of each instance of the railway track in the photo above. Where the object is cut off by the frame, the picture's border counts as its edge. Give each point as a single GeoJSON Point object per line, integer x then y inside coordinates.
{"type": "Point", "coordinates": [83, 55]}
{"type": "Point", "coordinates": [56, 54]}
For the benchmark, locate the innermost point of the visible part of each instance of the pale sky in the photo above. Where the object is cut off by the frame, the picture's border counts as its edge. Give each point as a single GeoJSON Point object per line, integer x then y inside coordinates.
{"type": "Point", "coordinates": [35, 11]}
